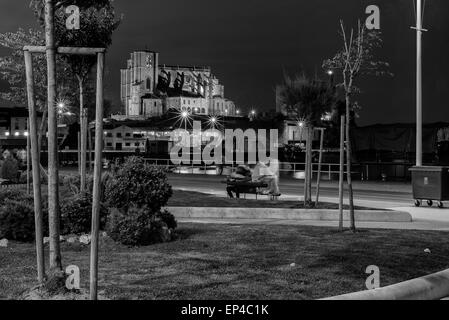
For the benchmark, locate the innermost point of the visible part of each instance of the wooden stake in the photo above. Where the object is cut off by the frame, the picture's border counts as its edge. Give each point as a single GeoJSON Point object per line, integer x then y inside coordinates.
{"type": "Point", "coordinates": [306, 170]}
{"type": "Point", "coordinates": [97, 179]}
{"type": "Point", "coordinates": [79, 151]}
{"type": "Point", "coordinates": [342, 169]}
{"type": "Point", "coordinates": [89, 139]}
{"type": "Point", "coordinates": [53, 174]}
{"type": "Point", "coordinates": [83, 147]}
{"type": "Point", "coordinates": [33, 136]}
{"type": "Point", "coordinates": [320, 161]}
{"type": "Point", "coordinates": [66, 50]}
{"type": "Point", "coordinates": [28, 157]}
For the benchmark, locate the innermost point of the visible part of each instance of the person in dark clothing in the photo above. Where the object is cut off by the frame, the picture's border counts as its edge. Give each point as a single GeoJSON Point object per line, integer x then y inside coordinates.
{"type": "Point", "coordinates": [242, 174]}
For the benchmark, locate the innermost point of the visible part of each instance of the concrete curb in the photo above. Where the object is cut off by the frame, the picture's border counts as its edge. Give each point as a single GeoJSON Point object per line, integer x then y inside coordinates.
{"type": "Point", "coordinates": [431, 287]}
{"type": "Point", "coordinates": [288, 214]}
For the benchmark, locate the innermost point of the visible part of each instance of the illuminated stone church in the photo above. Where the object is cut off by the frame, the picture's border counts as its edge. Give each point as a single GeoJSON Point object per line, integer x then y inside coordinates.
{"type": "Point", "coordinates": [150, 89]}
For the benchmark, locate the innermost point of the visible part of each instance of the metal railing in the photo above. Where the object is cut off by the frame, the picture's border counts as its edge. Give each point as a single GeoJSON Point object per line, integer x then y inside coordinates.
{"type": "Point", "coordinates": [362, 170]}
{"type": "Point", "coordinates": [285, 168]}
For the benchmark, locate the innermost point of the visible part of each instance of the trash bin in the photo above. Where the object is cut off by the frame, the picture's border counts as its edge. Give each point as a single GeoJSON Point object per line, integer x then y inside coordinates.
{"type": "Point", "coordinates": [431, 184]}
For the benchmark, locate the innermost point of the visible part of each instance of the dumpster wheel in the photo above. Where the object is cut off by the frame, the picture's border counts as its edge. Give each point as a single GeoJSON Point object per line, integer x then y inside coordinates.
{"type": "Point", "coordinates": [417, 203]}
{"type": "Point", "coordinates": [429, 203]}
{"type": "Point", "coordinates": [440, 205]}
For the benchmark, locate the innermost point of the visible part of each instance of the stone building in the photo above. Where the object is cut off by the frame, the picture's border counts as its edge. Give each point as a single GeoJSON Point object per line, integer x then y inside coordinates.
{"type": "Point", "coordinates": [151, 89]}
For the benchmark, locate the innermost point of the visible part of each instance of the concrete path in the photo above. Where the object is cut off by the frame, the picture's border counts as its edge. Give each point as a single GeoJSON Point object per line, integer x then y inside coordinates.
{"type": "Point", "coordinates": [380, 195]}
{"type": "Point", "coordinates": [419, 225]}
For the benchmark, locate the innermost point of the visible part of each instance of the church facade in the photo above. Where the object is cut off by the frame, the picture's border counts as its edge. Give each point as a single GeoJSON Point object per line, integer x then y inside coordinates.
{"type": "Point", "coordinates": [150, 89]}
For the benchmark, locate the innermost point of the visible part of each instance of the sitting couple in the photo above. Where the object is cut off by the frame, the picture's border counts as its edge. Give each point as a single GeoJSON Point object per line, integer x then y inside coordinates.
{"type": "Point", "coordinates": [265, 173]}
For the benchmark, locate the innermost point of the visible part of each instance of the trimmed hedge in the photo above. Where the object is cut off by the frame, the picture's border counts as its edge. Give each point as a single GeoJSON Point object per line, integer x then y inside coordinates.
{"type": "Point", "coordinates": [17, 216]}
{"type": "Point", "coordinates": [136, 193]}
{"type": "Point", "coordinates": [138, 184]}
{"type": "Point", "coordinates": [76, 215]}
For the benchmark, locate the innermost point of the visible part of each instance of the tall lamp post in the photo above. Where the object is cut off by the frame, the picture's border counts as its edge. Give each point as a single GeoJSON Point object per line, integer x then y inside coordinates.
{"type": "Point", "coordinates": [419, 31]}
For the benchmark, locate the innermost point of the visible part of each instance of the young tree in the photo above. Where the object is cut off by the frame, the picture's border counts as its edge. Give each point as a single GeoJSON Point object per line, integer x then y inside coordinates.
{"type": "Point", "coordinates": [308, 100]}
{"type": "Point", "coordinates": [98, 22]}
{"type": "Point", "coordinates": [356, 58]}
{"type": "Point", "coordinates": [45, 12]}
{"type": "Point", "coordinates": [12, 70]}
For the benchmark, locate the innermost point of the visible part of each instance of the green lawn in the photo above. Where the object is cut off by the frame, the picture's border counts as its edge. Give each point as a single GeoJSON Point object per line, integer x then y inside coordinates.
{"type": "Point", "coordinates": [243, 262]}
{"type": "Point", "coordinates": [182, 198]}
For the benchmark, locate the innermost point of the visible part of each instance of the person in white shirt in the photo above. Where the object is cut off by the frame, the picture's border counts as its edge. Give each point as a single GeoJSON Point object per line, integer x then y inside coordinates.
{"type": "Point", "coordinates": [269, 175]}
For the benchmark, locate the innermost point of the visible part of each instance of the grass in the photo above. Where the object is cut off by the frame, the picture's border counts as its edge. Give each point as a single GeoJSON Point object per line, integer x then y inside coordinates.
{"type": "Point", "coordinates": [242, 262]}
{"type": "Point", "coordinates": [183, 198]}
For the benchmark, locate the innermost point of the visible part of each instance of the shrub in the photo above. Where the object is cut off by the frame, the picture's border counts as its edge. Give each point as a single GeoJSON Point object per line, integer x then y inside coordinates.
{"type": "Point", "coordinates": [10, 170]}
{"type": "Point", "coordinates": [76, 215]}
{"type": "Point", "coordinates": [169, 219]}
{"type": "Point", "coordinates": [138, 184]}
{"type": "Point", "coordinates": [17, 221]}
{"type": "Point", "coordinates": [138, 226]}
{"type": "Point", "coordinates": [14, 194]}
{"type": "Point", "coordinates": [131, 227]}
{"type": "Point", "coordinates": [17, 216]}
{"type": "Point", "coordinates": [73, 183]}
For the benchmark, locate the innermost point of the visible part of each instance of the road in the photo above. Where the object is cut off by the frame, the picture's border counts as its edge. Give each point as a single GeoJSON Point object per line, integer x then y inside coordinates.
{"type": "Point", "coordinates": [381, 195]}
{"type": "Point", "coordinates": [373, 194]}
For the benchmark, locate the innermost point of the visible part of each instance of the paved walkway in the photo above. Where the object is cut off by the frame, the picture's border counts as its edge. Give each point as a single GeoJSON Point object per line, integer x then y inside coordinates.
{"type": "Point", "coordinates": [418, 225]}
{"type": "Point", "coordinates": [381, 195]}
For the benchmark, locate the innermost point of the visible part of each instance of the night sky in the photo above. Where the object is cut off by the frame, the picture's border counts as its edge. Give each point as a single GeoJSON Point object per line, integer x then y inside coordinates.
{"type": "Point", "coordinates": [248, 43]}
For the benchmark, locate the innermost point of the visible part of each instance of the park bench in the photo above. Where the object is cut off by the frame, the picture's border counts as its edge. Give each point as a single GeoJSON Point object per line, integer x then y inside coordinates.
{"type": "Point", "coordinates": [248, 187]}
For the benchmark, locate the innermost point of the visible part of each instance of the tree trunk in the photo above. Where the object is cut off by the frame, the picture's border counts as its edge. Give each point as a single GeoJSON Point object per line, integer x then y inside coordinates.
{"type": "Point", "coordinates": [309, 185]}
{"type": "Point", "coordinates": [53, 183]}
{"type": "Point", "coordinates": [349, 161]}
{"type": "Point", "coordinates": [342, 172]}
{"type": "Point", "coordinates": [308, 169]}
{"type": "Point", "coordinates": [34, 152]}
{"type": "Point", "coordinates": [320, 161]}
{"type": "Point", "coordinates": [89, 141]}
{"type": "Point", "coordinates": [83, 141]}
{"type": "Point", "coordinates": [42, 129]}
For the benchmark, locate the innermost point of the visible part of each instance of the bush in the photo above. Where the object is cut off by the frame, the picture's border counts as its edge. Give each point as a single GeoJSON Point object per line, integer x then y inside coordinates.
{"type": "Point", "coordinates": [132, 227]}
{"type": "Point", "coordinates": [138, 184]}
{"type": "Point", "coordinates": [17, 216]}
{"type": "Point", "coordinates": [17, 221]}
{"type": "Point", "coordinates": [14, 194]}
{"type": "Point", "coordinates": [136, 193]}
{"type": "Point", "coordinates": [76, 215]}
{"type": "Point", "coordinates": [10, 170]}
{"type": "Point", "coordinates": [73, 183]}
{"type": "Point", "coordinates": [23, 177]}
{"type": "Point", "coordinates": [168, 219]}
{"type": "Point", "coordinates": [138, 226]}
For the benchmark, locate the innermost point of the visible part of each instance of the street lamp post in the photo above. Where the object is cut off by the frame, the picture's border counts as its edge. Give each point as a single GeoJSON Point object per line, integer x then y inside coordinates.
{"type": "Point", "coordinates": [419, 121]}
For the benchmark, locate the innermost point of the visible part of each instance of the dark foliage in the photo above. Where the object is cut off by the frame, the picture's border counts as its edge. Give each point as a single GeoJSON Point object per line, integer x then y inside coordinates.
{"type": "Point", "coordinates": [138, 184]}
{"type": "Point", "coordinates": [76, 215]}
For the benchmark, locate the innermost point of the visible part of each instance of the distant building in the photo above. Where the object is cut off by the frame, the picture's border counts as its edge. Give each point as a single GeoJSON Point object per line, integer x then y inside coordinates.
{"type": "Point", "coordinates": [150, 89]}
{"type": "Point", "coordinates": [13, 127]}
{"type": "Point", "coordinates": [155, 135]}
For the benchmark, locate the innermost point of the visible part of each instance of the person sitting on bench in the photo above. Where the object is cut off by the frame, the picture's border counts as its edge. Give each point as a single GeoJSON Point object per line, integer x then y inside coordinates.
{"type": "Point", "coordinates": [263, 173]}
{"type": "Point", "coordinates": [242, 174]}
